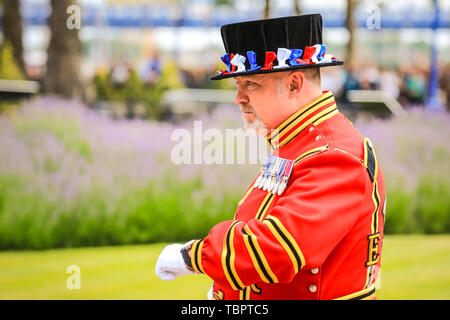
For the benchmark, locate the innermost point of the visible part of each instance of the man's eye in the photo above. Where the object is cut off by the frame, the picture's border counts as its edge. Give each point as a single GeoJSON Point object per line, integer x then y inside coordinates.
{"type": "Point", "coordinates": [251, 83]}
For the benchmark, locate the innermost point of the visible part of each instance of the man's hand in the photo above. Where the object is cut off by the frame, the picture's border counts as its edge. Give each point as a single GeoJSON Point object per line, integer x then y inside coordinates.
{"type": "Point", "coordinates": [170, 264]}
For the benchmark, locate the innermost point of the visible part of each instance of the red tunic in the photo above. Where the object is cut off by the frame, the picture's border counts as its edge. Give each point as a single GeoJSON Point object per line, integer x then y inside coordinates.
{"type": "Point", "coordinates": [322, 237]}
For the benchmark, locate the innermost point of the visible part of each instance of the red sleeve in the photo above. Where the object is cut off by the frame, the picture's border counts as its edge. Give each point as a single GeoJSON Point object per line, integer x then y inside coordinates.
{"type": "Point", "coordinates": [319, 207]}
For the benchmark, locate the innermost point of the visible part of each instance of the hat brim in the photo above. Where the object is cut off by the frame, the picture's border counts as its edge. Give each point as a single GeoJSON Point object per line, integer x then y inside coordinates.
{"type": "Point", "coordinates": [259, 71]}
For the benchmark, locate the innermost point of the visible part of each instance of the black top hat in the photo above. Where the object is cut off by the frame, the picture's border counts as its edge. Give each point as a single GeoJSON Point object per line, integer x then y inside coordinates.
{"type": "Point", "coordinates": [274, 45]}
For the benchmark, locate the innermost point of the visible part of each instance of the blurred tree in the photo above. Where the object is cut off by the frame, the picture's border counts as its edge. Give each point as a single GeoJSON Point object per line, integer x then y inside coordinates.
{"type": "Point", "coordinates": [267, 9]}
{"type": "Point", "coordinates": [297, 7]}
{"type": "Point", "coordinates": [12, 30]}
{"type": "Point", "coordinates": [350, 25]}
{"type": "Point", "coordinates": [63, 74]}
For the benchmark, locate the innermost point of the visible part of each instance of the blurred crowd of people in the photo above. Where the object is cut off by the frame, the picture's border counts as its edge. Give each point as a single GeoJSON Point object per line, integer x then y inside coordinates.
{"type": "Point", "coordinates": [408, 84]}
{"type": "Point", "coordinates": [149, 70]}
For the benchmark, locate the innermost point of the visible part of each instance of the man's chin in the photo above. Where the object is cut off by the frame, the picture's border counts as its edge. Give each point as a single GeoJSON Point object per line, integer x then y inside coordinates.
{"type": "Point", "coordinates": [256, 127]}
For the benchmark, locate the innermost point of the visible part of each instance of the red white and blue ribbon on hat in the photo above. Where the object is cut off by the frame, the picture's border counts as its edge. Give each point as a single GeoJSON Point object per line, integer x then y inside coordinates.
{"type": "Point", "coordinates": [285, 57]}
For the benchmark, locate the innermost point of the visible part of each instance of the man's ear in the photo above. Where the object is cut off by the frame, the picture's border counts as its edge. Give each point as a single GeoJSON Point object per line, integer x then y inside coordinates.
{"type": "Point", "coordinates": [296, 82]}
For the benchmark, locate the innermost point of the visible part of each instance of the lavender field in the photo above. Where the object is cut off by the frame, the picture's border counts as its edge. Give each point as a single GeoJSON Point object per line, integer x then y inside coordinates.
{"type": "Point", "coordinates": [70, 177]}
{"type": "Point", "coordinates": [414, 152]}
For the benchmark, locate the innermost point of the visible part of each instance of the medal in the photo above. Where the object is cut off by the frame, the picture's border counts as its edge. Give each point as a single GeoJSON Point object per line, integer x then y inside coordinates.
{"type": "Point", "coordinates": [274, 175]}
{"type": "Point", "coordinates": [271, 174]}
{"type": "Point", "coordinates": [266, 173]}
{"type": "Point", "coordinates": [263, 171]}
{"type": "Point", "coordinates": [281, 187]}
{"type": "Point", "coordinates": [279, 175]}
{"type": "Point", "coordinates": [285, 176]}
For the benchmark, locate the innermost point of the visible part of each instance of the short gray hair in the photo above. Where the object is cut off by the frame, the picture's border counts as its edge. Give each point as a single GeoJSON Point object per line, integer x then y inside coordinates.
{"type": "Point", "coordinates": [312, 74]}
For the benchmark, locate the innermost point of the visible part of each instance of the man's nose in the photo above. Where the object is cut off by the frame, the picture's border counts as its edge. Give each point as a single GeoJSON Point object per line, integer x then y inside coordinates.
{"type": "Point", "coordinates": [241, 97]}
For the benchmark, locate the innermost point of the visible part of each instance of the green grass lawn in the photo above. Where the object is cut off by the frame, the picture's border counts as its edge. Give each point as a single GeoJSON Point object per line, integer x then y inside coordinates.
{"type": "Point", "coordinates": [413, 267]}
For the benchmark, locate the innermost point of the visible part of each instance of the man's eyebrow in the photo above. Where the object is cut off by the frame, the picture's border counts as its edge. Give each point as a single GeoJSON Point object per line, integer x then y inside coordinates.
{"type": "Point", "coordinates": [253, 79]}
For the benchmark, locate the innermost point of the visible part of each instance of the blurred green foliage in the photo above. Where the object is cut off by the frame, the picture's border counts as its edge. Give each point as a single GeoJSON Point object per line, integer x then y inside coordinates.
{"type": "Point", "coordinates": [9, 69]}
{"type": "Point", "coordinates": [223, 2]}
{"type": "Point", "coordinates": [152, 214]}
{"type": "Point", "coordinates": [145, 215]}
{"type": "Point", "coordinates": [135, 90]}
{"type": "Point", "coordinates": [424, 208]}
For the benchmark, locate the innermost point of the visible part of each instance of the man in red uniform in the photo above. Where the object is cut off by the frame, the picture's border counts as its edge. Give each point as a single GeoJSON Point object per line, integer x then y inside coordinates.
{"type": "Point", "coordinates": [310, 226]}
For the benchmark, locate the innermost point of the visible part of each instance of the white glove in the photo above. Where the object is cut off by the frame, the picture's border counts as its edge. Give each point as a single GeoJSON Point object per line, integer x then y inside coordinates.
{"type": "Point", "coordinates": [209, 295]}
{"type": "Point", "coordinates": [170, 264]}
